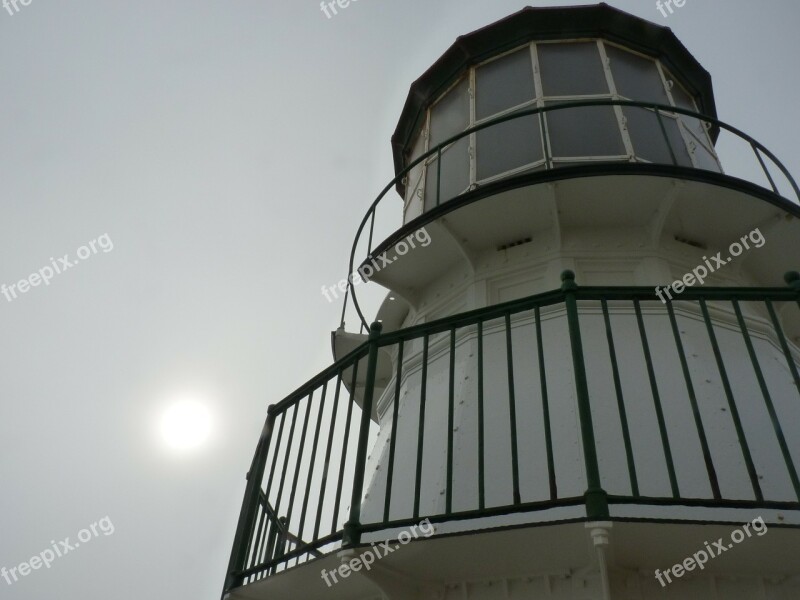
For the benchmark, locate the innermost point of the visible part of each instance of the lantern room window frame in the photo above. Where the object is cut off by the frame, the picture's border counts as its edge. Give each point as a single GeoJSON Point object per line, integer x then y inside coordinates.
{"type": "Point", "coordinates": [699, 149]}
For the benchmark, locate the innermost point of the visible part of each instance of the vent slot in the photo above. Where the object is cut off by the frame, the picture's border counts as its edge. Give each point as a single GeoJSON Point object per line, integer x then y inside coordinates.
{"type": "Point", "coordinates": [527, 240]}
{"type": "Point", "coordinates": [692, 243]}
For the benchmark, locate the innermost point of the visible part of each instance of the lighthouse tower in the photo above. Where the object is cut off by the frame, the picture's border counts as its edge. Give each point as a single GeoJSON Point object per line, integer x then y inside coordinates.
{"type": "Point", "coordinates": [584, 380]}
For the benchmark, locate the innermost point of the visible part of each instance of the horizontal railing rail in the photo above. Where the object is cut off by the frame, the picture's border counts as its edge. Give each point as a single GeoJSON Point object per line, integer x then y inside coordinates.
{"type": "Point", "coordinates": [324, 473]}
{"type": "Point", "coordinates": [660, 110]}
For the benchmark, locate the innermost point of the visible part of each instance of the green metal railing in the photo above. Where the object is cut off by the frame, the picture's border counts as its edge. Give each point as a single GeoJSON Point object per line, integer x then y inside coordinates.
{"type": "Point", "coordinates": [662, 112]}
{"type": "Point", "coordinates": [313, 487]}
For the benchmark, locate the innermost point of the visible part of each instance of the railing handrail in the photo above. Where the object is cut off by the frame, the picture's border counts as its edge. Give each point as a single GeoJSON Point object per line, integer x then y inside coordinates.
{"type": "Point", "coordinates": [513, 306]}
{"type": "Point", "coordinates": [343, 363]}
{"type": "Point", "coordinates": [555, 296]}
{"type": "Point", "coordinates": [540, 110]}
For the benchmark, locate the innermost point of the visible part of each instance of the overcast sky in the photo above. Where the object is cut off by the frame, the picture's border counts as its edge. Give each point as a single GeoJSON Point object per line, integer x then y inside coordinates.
{"type": "Point", "coordinates": [227, 150]}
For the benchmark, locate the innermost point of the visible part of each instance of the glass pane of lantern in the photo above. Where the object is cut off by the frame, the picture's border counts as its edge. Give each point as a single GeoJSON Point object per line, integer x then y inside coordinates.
{"type": "Point", "coordinates": [504, 83]}
{"type": "Point", "coordinates": [682, 99]}
{"type": "Point", "coordinates": [705, 159]}
{"type": "Point", "coordinates": [455, 173]}
{"type": "Point", "coordinates": [584, 131]}
{"type": "Point", "coordinates": [508, 145]}
{"type": "Point", "coordinates": [636, 78]}
{"type": "Point", "coordinates": [696, 126]}
{"type": "Point", "coordinates": [571, 69]}
{"type": "Point", "coordinates": [451, 114]}
{"type": "Point", "coordinates": [415, 174]}
{"type": "Point", "coordinates": [648, 138]}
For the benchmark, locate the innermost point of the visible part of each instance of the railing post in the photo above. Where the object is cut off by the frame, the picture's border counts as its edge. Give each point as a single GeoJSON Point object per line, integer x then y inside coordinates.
{"type": "Point", "coordinates": [250, 503]}
{"type": "Point", "coordinates": [352, 532]}
{"type": "Point", "coordinates": [764, 168]}
{"type": "Point", "coordinates": [439, 176]}
{"type": "Point", "coordinates": [595, 497]}
{"type": "Point", "coordinates": [792, 279]}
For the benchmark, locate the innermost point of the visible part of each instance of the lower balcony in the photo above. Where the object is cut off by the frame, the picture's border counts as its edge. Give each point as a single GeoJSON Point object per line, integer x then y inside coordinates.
{"type": "Point", "coordinates": [515, 425]}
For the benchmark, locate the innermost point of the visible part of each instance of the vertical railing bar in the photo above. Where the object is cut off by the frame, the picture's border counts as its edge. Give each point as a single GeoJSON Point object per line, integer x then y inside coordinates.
{"type": "Point", "coordinates": [421, 425]}
{"type": "Point", "coordinates": [272, 542]}
{"type": "Point", "coordinates": [698, 419]}
{"type": "Point", "coordinates": [666, 137]}
{"type": "Point", "coordinates": [782, 169]}
{"type": "Point", "coordinates": [787, 353]}
{"type": "Point", "coordinates": [262, 555]}
{"type": "Point", "coordinates": [792, 279]}
{"type": "Point", "coordinates": [481, 440]}
{"type": "Point", "coordinates": [450, 422]}
{"type": "Point", "coordinates": [737, 421]}
{"type": "Point", "coordinates": [662, 424]}
{"type": "Point", "coordinates": [312, 462]}
{"type": "Point", "coordinates": [762, 384]}
{"type": "Point", "coordinates": [275, 454]}
{"type": "Point", "coordinates": [548, 434]}
{"type": "Point", "coordinates": [329, 447]}
{"type": "Point", "coordinates": [280, 542]}
{"type": "Point", "coordinates": [764, 167]}
{"type": "Point", "coordinates": [254, 547]}
{"type": "Point", "coordinates": [269, 483]}
{"type": "Point", "coordinates": [286, 459]}
{"type": "Point", "coordinates": [623, 413]}
{"type": "Point", "coordinates": [393, 439]}
{"type": "Point", "coordinates": [595, 497]}
{"type": "Point", "coordinates": [269, 525]}
{"type": "Point", "coordinates": [300, 453]}
{"type": "Point", "coordinates": [352, 529]}
{"type": "Point", "coordinates": [438, 175]}
{"type": "Point", "coordinates": [371, 231]}
{"type": "Point", "coordinates": [512, 412]}
{"type": "Point", "coordinates": [255, 559]}
{"type": "Point", "coordinates": [345, 443]}
{"type": "Point", "coordinates": [344, 303]}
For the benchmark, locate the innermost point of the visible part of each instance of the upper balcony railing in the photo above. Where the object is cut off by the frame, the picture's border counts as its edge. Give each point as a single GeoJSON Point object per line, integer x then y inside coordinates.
{"type": "Point", "coordinates": [570, 134]}
{"type": "Point", "coordinates": [659, 425]}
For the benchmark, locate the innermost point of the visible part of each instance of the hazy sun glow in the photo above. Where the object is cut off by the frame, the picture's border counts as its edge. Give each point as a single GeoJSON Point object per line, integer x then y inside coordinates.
{"type": "Point", "coordinates": [185, 424]}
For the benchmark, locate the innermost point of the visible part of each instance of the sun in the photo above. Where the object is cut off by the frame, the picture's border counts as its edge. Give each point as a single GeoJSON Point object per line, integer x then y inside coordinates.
{"type": "Point", "coordinates": [185, 424]}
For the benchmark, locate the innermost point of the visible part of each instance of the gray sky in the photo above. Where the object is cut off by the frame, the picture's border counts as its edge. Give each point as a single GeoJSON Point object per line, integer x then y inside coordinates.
{"type": "Point", "coordinates": [228, 150]}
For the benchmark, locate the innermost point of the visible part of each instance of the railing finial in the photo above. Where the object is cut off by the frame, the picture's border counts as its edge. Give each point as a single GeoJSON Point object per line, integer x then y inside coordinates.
{"type": "Point", "coordinates": [568, 280]}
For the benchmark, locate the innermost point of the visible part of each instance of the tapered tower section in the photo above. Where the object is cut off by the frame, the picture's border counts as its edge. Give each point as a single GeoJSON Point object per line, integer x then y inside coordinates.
{"type": "Point", "coordinates": [585, 370]}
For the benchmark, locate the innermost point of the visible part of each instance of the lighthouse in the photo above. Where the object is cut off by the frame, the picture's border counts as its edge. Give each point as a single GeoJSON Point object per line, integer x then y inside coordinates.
{"type": "Point", "coordinates": [583, 381]}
